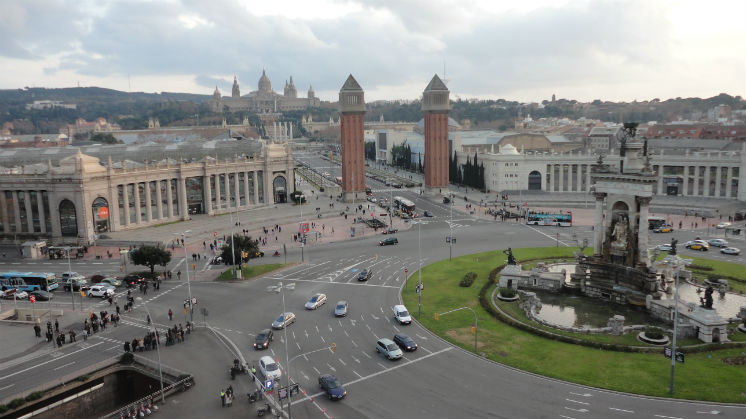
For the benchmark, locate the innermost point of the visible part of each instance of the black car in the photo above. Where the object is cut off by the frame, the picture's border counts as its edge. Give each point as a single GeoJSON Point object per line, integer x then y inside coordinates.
{"type": "Point", "coordinates": [41, 295]}
{"type": "Point", "coordinates": [405, 343]}
{"type": "Point", "coordinates": [263, 339]}
{"type": "Point", "coordinates": [364, 275]}
{"type": "Point", "coordinates": [427, 214]}
{"type": "Point", "coordinates": [331, 386]}
{"type": "Point", "coordinates": [446, 200]}
{"type": "Point", "coordinates": [133, 280]}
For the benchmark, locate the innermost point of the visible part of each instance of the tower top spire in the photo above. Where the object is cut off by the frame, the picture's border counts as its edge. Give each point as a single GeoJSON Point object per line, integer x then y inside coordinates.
{"type": "Point", "coordinates": [351, 96]}
{"type": "Point", "coordinates": [436, 96]}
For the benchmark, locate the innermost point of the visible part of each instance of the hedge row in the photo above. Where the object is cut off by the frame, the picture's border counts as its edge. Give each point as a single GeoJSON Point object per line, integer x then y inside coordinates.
{"type": "Point", "coordinates": [468, 279]}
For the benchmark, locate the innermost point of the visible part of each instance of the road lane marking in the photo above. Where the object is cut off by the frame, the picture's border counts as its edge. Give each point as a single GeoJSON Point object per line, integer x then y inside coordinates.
{"type": "Point", "coordinates": [574, 394]}
{"type": "Point", "coordinates": [322, 339]}
{"type": "Point", "coordinates": [369, 357]}
{"type": "Point", "coordinates": [339, 283]}
{"type": "Point", "coordinates": [567, 417]}
{"type": "Point", "coordinates": [579, 410]}
{"type": "Point", "coordinates": [298, 344]}
{"type": "Point", "coordinates": [666, 417]}
{"type": "Point", "coordinates": [330, 367]}
{"type": "Point", "coordinates": [382, 366]}
{"type": "Point", "coordinates": [356, 360]}
{"type": "Point", "coordinates": [63, 366]}
{"type": "Point", "coordinates": [352, 371]}
{"type": "Point", "coordinates": [621, 410]}
{"type": "Point", "coordinates": [3, 388]}
{"type": "Point", "coordinates": [342, 362]}
{"type": "Point", "coordinates": [346, 334]}
{"type": "Point", "coordinates": [353, 342]}
{"type": "Point", "coordinates": [47, 362]}
{"type": "Point", "coordinates": [579, 402]}
{"type": "Point", "coordinates": [317, 370]}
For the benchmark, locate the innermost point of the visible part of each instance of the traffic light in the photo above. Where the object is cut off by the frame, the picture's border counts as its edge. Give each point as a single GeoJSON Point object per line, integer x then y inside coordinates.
{"type": "Point", "coordinates": [334, 347]}
{"type": "Point", "coordinates": [436, 316]}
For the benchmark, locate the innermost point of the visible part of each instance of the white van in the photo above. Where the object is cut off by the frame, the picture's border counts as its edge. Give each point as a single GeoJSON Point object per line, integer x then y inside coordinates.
{"type": "Point", "coordinates": [269, 368]}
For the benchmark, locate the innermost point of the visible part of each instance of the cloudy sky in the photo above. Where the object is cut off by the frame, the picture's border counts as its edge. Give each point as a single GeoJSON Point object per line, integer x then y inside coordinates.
{"type": "Point", "coordinates": [518, 50]}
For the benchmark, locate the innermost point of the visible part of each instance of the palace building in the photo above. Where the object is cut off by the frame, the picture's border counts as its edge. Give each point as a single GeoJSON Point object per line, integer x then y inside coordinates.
{"type": "Point", "coordinates": [264, 99]}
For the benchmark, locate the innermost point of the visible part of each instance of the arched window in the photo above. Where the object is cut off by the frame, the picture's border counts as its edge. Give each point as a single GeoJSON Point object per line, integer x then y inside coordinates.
{"type": "Point", "coordinates": [534, 181]}
{"type": "Point", "coordinates": [279, 189]}
{"type": "Point", "coordinates": [68, 218]}
{"type": "Point", "coordinates": [100, 209]}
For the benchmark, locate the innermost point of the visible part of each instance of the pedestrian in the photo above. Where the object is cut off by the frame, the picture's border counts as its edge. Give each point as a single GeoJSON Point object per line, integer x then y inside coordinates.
{"type": "Point", "coordinates": [37, 330]}
{"type": "Point", "coordinates": [117, 309]}
{"type": "Point", "coordinates": [56, 326]}
{"type": "Point", "coordinates": [178, 275]}
{"type": "Point", "coordinates": [148, 318]}
{"type": "Point", "coordinates": [85, 335]}
{"type": "Point", "coordinates": [111, 300]}
{"type": "Point", "coordinates": [126, 346]}
{"type": "Point", "coordinates": [170, 314]}
{"type": "Point", "coordinates": [222, 398]}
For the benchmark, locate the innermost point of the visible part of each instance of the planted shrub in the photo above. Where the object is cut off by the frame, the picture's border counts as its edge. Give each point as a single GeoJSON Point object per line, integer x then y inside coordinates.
{"type": "Point", "coordinates": [3, 408]}
{"type": "Point", "coordinates": [652, 332]}
{"type": "Point", "coordinates": [16, 403]}
{"type": "Point", "coordinates": [468, 279]}
{"type": "Point", "coordinates": [508, 292]}
{"type": "Point", "coordinates": [34, 396]}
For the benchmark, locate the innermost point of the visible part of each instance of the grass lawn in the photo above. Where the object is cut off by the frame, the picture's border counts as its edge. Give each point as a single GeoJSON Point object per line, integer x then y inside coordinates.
{"type": "Point", "coordinates": [704, 376]}
{"type": "Point", "coordinates": [249, 272]}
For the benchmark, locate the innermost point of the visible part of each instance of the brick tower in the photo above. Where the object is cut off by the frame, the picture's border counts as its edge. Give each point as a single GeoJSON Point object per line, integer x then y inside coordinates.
{"type": "Point", "coordinates": [352, 110]}
{"type": "Point", "coordinates": [436, 106]}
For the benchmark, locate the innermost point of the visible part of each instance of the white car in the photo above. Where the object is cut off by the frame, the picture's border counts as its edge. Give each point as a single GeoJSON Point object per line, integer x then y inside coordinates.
{"type": "Point", "coordinates": [730, 251]}
{"type": "Point", "coordinates": [401, 314]}
{"type": "Point", "coordinates": [665, 247]}
{"type": "Point", "coordinates": [18, 295]}
{"type": "Point", "coordinates": [101, 291]}
{"type": "Point", "coordinates": [723, 225]}
{"type": "Point", "coordinates": [388, 348]}
{"type": "Point", "coordinates": [269, 368]}
{"type": "Point", "coordinates": [316, 301]}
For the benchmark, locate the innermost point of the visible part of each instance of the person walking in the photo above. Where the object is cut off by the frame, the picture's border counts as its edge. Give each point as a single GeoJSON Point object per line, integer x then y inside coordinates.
{"type": "Point", "coordinates": [222, 398]}
{"type": "Point", "coordinates": [148, 318]}
{"type": "Point", "coordinates": [56, 326]}
{"type": "Point", "coordinates": [170, 314]}
{"type": "Point", "coordinates": [37, 330]}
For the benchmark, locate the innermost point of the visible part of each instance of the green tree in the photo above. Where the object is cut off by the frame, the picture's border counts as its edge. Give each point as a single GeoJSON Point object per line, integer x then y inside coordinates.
{"type": "Point", "coordinates": [105, 138]}
{"type": "Point", "coordinates": [242, 244]}
{"type": "Point", "coordinates": [150, 256]}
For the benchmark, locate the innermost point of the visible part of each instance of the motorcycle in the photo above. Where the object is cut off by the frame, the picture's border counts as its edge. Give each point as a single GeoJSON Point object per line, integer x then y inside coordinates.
{"type": "Point", "coordinates": [254, 396]}
{"type": "Point", "coordinates": [262, 410]}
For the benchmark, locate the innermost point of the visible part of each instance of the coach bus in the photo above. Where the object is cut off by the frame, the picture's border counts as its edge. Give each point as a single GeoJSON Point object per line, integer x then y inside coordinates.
{"type": "Point", "coordinates": [562, 219]}
{"type": "Point", "coordinates": [29, 281]}
{"type": "Point", "coordinates": [404, 204]}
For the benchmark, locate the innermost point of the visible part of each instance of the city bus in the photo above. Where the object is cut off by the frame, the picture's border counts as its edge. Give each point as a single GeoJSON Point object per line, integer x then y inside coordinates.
{"type": "Point", "coordinates": [29, 281]}
{"type": "Point", "coordinates": [404, 204]}
{"type": "Point", "coordinates": [561, 219]}
{"type": "Point", "coordinates": [655, 222]}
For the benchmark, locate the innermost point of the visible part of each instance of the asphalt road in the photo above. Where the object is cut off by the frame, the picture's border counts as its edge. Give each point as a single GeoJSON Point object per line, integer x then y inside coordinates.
{"type": "Point", "coordinates": [436, 381]}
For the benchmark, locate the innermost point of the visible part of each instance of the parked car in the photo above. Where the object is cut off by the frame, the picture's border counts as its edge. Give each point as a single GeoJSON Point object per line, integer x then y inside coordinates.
{"type": "Point", "coordinates": [285, 319]}
{"type": "Point", "coordinates": [77, 284]}
{"type": "Point", "coordinates": [401, 314]}
{"type": "Point", "coordinates": [340, 310]}
{"type": "Point", "coordinates": [15, 294]}
{"type": "Point", "coordinates": [698, 245]}
{"type": "Point", "coordinates": [388, 348]}
{"type": "Point", "coordinates": [388, 241]}
{"type": "Point", "coordinates": [41, 295]}
{"type": "Point", "coordinates": [316, 301]}
{"type": "Point", "coordinates": [331, 387]}
{"type": "Point", "coordinates": [718, 242]}
{"type": "Point", "coordinates": [269, 368]}
{"type": "Point", "coordinates": [730, 251]}
{"type": "Point", "coordinates": [663, 229]}
{"type": "Point", "coordinates": [101, 291]}
{"type": "Point", "coordinates": [263, 339]}
{"type": "Point", "coordinates": [405, 342]}
{"type": "Point", "coordinates": [723, 225]}
{"type": "Point", "coordinates": [364, 275]}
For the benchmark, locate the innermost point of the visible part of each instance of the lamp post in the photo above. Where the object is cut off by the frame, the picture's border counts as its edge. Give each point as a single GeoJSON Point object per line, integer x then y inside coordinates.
{"type": "Point", "coordinates": [677, 262]}
{"type": "Point", "coordinates": [476, 325]}
{"type": "Point", "coordinates": [186, 265]}
{"type": "Point", "coordinates": [450, 226]}
{"type": "Point", "coordinates": [419, 270]}
{"type": "Point", "coordinates": [157, 347]}
{"type": "Point", "coordinates": [281, 289]}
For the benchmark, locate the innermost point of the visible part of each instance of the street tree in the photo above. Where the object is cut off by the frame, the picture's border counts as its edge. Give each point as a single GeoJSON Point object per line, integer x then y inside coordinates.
{"type": "Point", "coordinates": [150, 256]}
{"type": "Point", "coordinates": [244, 245]}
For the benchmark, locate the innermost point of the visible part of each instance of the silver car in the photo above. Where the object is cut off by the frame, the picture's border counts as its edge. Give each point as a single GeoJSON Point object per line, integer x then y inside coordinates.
{"type": "Point", "coordinates": [316, 301]}
{"type": "Point", "coordinates": [730, 251]}
{"type": "Point", "coordinates": [340, 310]}
{"type": "Point", "coordinates": [718, 242]}
{"type": "Point", "coordinates": [285, 319]}
{"type": "Point", "coordinates": [388, 348]}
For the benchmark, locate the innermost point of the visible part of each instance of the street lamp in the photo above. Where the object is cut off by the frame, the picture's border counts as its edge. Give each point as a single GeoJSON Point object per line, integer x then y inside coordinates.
{"type": "Point", "coordinates": [157, 346]}
{"type": "Point", "coordinates": [677, 263]}
{"type": "Point", "coordinates": [419, 270]}
{"type": "Point", "coordinates": [280, 287]}
{"type": "Point", "coordinates": [476, 325]}
{"type": "Point", "coordinates": [186, 265]}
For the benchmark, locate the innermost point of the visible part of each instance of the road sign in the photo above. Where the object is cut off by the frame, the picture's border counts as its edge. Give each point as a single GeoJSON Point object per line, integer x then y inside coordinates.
{"type": "Point", "coordinates": [32, 299]}
{"type": "Point", "coordinates": [268, 385]}
{"type": "Point", "coordinates": [194, 300]}
{"type": "Point", "coordinates": [406, 270]}
{"type": "Point", "coordinates": [215, 234]}
{"type": "Point", "coordinates": [282, 393]}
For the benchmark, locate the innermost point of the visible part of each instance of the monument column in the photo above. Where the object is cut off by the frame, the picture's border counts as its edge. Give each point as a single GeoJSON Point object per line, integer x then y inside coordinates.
{"type": "Point", "coordinates": [642, 231]}
{"type": "Point", "coordinates": [718, 181]}
{"type": "Point", "coordinates": [17, 212]}
{"type": "Point", "coordinates": [659, 188]}
{"type": "Point", "coordinates": [598, 229]}
{"type": "Point", "coordinates": [217, 192]}
{"type": "Point", "coordinates": [182, 194]}
{"type": "Point", "coordinates": [352, 111]}
{"type": "Point", "coordinates": [695, 180]}
{"type": "Point", "coordinates": [170, 199]}
{"type": "Point", "coordinates": [436, 105]}
{"type": "Point", "coordinates": [29, 212]}
{"type": "Point", "coordinates": [237, 190]}
{"type": "Point", "coordinates": [561, 177]}
{"type": "Point", "coordinates": [246, 188]}
{"type": "Point", "coordinates": [227, 185]}
{"type": "Point", "coordinates": [255, 186]}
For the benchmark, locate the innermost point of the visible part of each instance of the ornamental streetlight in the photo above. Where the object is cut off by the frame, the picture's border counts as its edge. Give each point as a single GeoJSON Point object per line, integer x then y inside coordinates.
{"type": "Point", "coordinates": [280, 287]}
{"type": "Point", "coordinates": [157, 346]}
{"type": "Point", "coordinates": [186, 265]}
{"type": "Point", "coordinates": [476, 325]}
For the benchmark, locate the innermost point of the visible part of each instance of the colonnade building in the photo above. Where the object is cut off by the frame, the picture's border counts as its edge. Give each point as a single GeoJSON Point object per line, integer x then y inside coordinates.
{"type": "Point", "coordinates": [79, 196]}
{"type": "Point", "coordinates": [706, 174]}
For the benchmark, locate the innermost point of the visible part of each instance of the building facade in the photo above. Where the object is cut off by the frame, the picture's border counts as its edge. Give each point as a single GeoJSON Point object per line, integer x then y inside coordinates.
{"type": "Point", "coordinates": [81, 197]}
{"type": "Point", "coordinates": [715, 174]}
{"type": "Point", "coordinates": [264, 99]}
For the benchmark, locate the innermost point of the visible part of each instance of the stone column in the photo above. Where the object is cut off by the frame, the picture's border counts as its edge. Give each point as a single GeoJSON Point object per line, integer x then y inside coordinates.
{"type": "Point", "coordinates": [561, 177]}
{"type": "Point", "coordinates": [40, 208]}
{"type": "Point", "coordinates": [138, 211]}
{"type": "Point", "coordinates": [183, 207]}
{"type": "Point", "coordinates": [695, 180]}
{"type": "Point", "coordinates": [718, 181]}
{"type": "Point", "coordinates": [729, 183]}
{"type": "Point", "coordinates": [685, 180]}
{"type": "Point", "coordinates": [352, 138]}
{"type": "Point", "coordinates": [256, 187]}
{"type": "Point", "coordinates": [227, 184]}
{"type": "Point", "coordinates": [148, 203]}
{"type": "Point", "coordinates": [236, 190]}
{"type": "Point", "coordinates": [159, 199]}
{"type": "Point", "coordinates": [642, 231]}
{"type": "Point", "coordinates": [29, 213]}
{"type": "Point", "coordinates": [217, 192]}
{"type": "Point", "coordinates": [207, 193]}
{"type": "Point", "coordinates": [170, 198]}
{"type": "Point", "coordinates": [706, 185]}
{"type": "Point", "coordinates": [126, 204]}
{"type": "Point", "coordinates": [113, 207]}
{"type": "Point", "coordinates": [4, 212]}
{"type": "Point", "coordinates": [578, 177]}
{"type": "Point", "coordinates": [587, 177]}
{"type": "Point", "coordinates": [55, 214]}
{"type": "Point", "coordinates": [246, 188]}
{"type": "Point", "coordinates": [17, 211]}
{"type": "Point", "coordinates": [660, 180]}
{"type": "Point", "coordinates": [598, 229]}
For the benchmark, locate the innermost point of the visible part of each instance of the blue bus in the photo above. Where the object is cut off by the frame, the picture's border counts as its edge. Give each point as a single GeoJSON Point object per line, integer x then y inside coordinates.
{"type": "Point", "coordinates": [563, 219]}
{"type": "Point", "coordinates": [28, 281]}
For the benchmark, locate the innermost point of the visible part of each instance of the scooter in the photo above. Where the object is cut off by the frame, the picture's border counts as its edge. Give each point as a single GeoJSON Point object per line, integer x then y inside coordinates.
{"type": "Point", "coordinates": [262, 410]}
{"type": "Point", "coordinates": [277, 253]}
{"type": "Point", "coordinates": [254, 396]}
